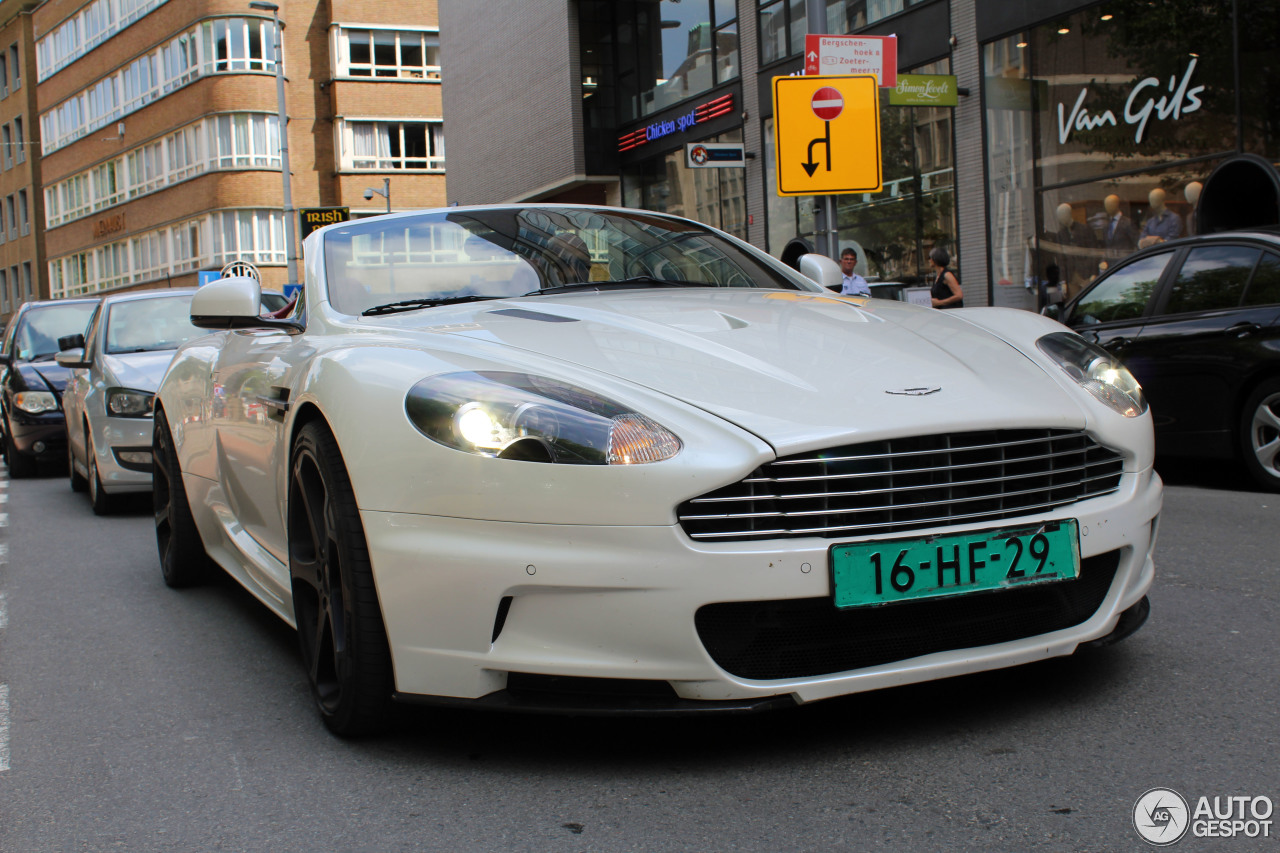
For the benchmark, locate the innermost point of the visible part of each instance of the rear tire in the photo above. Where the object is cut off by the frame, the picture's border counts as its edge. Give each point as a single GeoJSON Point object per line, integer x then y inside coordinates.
{"type": "Point", "coordinates": [183, 561]}
{"type": "Point", "coordinates": [340, 628]}
{"type": "Point", "coordinates": [1260, 435]}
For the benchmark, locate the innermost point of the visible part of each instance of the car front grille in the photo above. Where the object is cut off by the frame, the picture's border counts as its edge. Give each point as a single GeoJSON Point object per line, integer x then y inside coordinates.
{"type": "Point", "coordinates": [766, 640]}
{"type": "Point", "coordinates": [904, 484]}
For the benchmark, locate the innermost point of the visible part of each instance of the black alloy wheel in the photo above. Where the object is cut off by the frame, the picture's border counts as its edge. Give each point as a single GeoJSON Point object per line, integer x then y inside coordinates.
{"type": "Point", "coordinates": [335, 604]}
{"type": "Point", "coordinates": [183, 561]}
{"type": "Point", "coordinates": [1260, 435]}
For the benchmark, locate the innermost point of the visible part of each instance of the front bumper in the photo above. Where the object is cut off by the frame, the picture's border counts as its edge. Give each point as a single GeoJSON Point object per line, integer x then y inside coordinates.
{"type": "Point", "coordinates": [49, 431]}
{"type": "Point", "coordinates": [467, 603]}
{"type": "Point", "coordinates": [115, 436]}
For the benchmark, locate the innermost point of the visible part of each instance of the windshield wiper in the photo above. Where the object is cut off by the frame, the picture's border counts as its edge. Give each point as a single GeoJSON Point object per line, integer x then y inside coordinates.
{"type": "Point", "coordinates": [412, 304]}
{"type": "Point", "coordinates": [635, 281]}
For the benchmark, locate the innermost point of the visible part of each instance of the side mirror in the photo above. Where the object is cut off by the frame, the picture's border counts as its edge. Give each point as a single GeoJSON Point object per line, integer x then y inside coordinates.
{"type": "Point", "coordinates": [234, 303]}
{"type": "Point", "coordinates": [70, 342]}
{"type": "Point", "coordinates": [73, 357]}
{"type": "Point", "coordinates": [821, 270]}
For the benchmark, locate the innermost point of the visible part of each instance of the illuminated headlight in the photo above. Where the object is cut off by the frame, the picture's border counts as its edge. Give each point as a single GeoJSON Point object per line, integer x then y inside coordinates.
{"type": "Point", "coordinates": [123, 403]}
{"type": "Point", "coordinates": [35, 402]}
{"type": "Point", "coordinates": [535, 419]}
{"type": "Point", "coordinates": [1097, 371]}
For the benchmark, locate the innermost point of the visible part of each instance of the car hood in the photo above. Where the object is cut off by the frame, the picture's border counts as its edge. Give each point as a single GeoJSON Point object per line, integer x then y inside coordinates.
{"type": "Point", "coordinates": [44, 376]}
{"type": "Point", "coordinates": [796, 369]}
{"type": "Point", "coordinates": [140, 371]}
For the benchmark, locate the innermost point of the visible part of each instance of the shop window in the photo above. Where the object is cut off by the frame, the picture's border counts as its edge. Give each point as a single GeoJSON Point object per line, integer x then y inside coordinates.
{"type": "Point", "coordinates": [673, 50]}
{"type": "Point", "coordinates": [716, 197]}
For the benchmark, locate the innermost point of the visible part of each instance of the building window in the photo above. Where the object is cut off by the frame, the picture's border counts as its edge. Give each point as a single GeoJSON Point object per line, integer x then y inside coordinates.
{"type": "Point", "coordinates": [17, 67]}
{"type": "Point", "coordinates": [112, 265]}
{"type": "Point", "coordinates": [4, 292]}
{"type": "Point", "coordinates": [4, 76]}
{"type": "Point", "coordinates": [185, 158]}
{"type": "Point", "coordinates": [28, 285]}
{"type": "Point", "coordinates": [248, 235]}
{"type": "Point", "coordinates": [403, 54]}
{"type": "Point", "coordinates": [6, 137]}
{"type": "Point", "coordinates": [19, 140]}
{"type": "Point", "coordinates": [108, 188]}
{"type": "Point", "coordinates": [145, 169]}
{"type": "Point", "coordinates": [24, 215]}
{"type": "Point", "coordinates": [381, 145]}
{"type": "Point", "coordinates": [150, 255]}
{"type": "Point", "coordinates": [673, 50]}
{"type": "Point", "coordinates": [228, 45]}
{"type": "Point", "coordinates": [245, 139]}
{"type": "Point", "coordinates": [89, 27]}
{"type": "Point", "coordinates": [11, 216]}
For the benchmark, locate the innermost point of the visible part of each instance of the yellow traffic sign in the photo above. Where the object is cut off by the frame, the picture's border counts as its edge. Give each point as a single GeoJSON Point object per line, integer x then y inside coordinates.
{"type": "Point", "coordinates": [827, 134]}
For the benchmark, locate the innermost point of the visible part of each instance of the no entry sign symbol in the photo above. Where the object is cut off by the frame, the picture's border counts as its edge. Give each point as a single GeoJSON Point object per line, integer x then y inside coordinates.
{"type": "Point", "coordinates": [827, 103]}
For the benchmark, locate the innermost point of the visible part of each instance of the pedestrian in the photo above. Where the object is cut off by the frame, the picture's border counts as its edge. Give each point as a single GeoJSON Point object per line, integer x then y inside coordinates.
{"type": "Point", "coordinates": [852, 284]}
{"type": "Point", "coordinates": [946, 290]}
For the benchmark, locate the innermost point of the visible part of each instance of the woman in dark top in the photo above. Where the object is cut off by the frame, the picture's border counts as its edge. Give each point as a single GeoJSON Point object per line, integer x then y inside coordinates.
{"type": "Point", "coordinates": [946, 291]}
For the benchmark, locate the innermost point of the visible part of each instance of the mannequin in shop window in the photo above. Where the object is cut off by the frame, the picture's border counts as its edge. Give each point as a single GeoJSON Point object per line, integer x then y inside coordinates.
{"type": "Point", "coordinates": [1192, 194]}
{"type": "Point", "coordinates": [1161, 224]}
{"type": "Point", "coordinates": [1119, 235]}
{"type": "Point", "coordinates": [1076, 248]}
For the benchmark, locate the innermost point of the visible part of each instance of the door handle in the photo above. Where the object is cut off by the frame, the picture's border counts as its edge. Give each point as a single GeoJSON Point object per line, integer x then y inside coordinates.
{"type": "Point", "coordinates": [1116, 343]}
{"type": "Point", "coordinates": [1243, 330]}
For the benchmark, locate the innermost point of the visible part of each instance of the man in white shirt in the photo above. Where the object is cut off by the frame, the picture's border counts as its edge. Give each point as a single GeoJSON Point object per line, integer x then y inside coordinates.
{"type": "Point", "coordinates": [852, 284]}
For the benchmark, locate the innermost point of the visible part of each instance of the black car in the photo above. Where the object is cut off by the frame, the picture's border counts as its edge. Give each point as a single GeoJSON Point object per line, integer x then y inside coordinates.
{"type": "Point", "coordinates": [32, 426]}
{"type": "Point", "coordinates": [1197, 321]}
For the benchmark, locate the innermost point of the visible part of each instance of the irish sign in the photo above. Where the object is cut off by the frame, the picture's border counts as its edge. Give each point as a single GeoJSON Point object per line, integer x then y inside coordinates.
{"type": "Point", "coordinates": [876, 55]}
{"type": "Point", "coordinates": [826, 134]}
{"type": "Point", "coordinates": [313, 218]}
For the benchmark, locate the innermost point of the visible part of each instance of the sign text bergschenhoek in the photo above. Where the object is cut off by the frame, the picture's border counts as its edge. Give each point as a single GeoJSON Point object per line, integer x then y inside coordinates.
{"type": "Point", "coordinates": [1182, 98]}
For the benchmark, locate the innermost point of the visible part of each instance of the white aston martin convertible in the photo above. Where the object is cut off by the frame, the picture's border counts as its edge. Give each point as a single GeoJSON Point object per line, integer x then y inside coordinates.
{"type": "Point", "coordinates": [599, 460]}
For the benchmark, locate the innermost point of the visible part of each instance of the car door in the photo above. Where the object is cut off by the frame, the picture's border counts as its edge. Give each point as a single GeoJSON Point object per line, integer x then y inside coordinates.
{"type": "Point", "coordinates": [1113, 312]}
{"type": "Point", "coordinates": [78, 393]}
{"type": "Point", "coordinates": [251, 377]}
{"type": "Point", "coordinates": [1211, 326]}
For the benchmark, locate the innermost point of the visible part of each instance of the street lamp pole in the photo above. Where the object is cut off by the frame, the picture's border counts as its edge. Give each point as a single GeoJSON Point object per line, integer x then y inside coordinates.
{"type": "Point", "coordinates": [290, 235]}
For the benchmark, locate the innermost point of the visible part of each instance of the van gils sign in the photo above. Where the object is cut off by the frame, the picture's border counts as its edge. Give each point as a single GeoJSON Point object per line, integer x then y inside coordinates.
{"type": "Point", "coordinates": [1182, 98]}
{"type": "Point", "coordinates": [703, 112]}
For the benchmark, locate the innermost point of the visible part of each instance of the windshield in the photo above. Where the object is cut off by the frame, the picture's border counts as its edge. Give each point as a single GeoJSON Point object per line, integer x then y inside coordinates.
{"type": "Point", "coordinates": [41, 327]}
{"type": "Point", "coordinates": [158, 323]}
{"type": "Point", "coordinates": [505, 252]}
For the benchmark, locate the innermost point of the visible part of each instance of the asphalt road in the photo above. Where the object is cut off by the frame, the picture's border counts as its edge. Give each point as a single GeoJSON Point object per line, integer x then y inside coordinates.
{"type": "Point", "coordinates": [137, 718]}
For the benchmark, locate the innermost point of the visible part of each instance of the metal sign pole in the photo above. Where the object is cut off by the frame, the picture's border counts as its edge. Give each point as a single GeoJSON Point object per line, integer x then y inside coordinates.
{"type": "Point", "coordinates": [816, 17]}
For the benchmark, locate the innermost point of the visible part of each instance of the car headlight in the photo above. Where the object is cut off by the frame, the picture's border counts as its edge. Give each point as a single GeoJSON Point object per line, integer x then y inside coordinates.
{"type": "Point", "coordinates": [1097, 371]}
{"type": "Point", "coordinates": [35, 402]}
{"type": "Point", "coordinates": [535, 419]}
{"type": "Point", "coordinates": [125, 403]}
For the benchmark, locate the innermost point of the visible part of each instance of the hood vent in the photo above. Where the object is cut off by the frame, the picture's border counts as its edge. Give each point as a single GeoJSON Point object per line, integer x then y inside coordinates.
{"type": "Point", "coordinates": [526, 314]}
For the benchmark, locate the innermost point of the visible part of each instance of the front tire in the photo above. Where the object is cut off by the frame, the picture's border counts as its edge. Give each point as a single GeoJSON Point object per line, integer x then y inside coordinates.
{"type": "Point", "coordinates": [78, 483]}
{"type": "Point", "coordinates": [103, 503]}
{"type": "Point", "coordinates": [21, 466]}
{"type": "Point", "coordinates": [340, 628]}
{"type": "Point", "coordinates": [1260, 435]}
{"type": "Point", "coordinates": [183, 561]}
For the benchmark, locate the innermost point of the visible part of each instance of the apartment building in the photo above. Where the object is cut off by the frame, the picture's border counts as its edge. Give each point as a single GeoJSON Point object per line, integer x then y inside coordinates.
{"type": "Point", "coordinates": [160, 131]}
{"type": "Point", "coordinates": [21, 240]}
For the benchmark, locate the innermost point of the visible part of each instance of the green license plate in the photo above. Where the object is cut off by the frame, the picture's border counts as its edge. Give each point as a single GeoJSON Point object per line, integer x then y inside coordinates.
{"type": "Point", "coordinates": [892, 570]}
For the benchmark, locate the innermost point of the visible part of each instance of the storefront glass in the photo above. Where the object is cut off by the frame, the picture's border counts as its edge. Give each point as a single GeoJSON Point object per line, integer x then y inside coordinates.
{"type": "Point", "coordinates": [714, 196]}
{"type": "Point", "coordinates": [915, 211]}
{"type": "Point", "coordinates": [1102, 126]}
{"type": "Point", "coordinates": [671, 50]}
